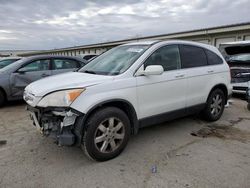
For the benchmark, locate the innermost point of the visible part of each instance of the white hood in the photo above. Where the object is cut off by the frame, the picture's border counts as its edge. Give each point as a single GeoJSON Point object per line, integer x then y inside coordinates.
{"type": "Point", "coordinates": [69, 80]}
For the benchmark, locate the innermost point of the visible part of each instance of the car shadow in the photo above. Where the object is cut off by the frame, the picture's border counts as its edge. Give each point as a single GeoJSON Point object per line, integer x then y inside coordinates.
{"type": "Point", "coordinates": [14, 103]}
{"type": "Point", "coordinates": [239, 96]}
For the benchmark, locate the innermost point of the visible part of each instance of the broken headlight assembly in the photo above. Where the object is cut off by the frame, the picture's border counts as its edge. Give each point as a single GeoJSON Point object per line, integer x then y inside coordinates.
{"type": "Point", "coordinates": [61, 98]}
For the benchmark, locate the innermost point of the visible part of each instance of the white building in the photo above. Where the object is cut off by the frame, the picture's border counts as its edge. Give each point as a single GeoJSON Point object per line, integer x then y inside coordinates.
{"type": "Point", "coordinates": [214, 36]}
{"type": "Point", "coordinates": [7, 53]}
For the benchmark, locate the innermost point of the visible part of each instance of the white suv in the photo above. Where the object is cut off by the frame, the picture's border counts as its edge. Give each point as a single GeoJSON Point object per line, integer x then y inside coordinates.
{"type": "Point", "coordinates": [129, 87]}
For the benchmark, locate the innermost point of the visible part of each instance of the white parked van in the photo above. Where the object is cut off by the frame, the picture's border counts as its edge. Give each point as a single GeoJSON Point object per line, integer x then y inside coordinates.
{"type": "Point", "coordinates": [129, 87]}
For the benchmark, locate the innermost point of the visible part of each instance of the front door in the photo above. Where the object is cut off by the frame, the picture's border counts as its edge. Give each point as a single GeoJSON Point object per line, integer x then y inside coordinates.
{"type": "Point", "coordinates": [158, 94]}
{"type": "Point", "coordinates": [28, 73]}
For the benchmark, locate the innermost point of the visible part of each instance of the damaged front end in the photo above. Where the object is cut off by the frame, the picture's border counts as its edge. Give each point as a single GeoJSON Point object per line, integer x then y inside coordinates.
{"type": "Point", "coordinates": [58, 123]}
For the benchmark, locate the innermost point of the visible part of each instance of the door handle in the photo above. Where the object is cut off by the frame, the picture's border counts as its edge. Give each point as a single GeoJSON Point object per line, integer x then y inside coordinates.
{"type": "Point", "coordinates": [210, 71]}
{"type": "Point", "coordinates": [44, 75]}
{"type": "Point", "coordinates": [179, 76]}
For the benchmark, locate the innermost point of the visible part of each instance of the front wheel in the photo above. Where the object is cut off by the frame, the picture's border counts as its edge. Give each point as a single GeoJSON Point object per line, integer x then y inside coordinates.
{"type": "Point", "coordinates": [215, 105]}
{"type": "Point", "coordinates": [107, 134]}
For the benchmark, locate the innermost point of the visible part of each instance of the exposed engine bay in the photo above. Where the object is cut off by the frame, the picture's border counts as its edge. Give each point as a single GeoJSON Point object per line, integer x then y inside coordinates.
{"type": "Point", "coordinates": [57, 123]}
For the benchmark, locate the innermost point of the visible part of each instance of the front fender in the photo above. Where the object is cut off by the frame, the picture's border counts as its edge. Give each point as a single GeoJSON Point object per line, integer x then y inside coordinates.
{"type": "Point", "coordinates": [124, 89]}
{"type": "Point", "coordinates": [88, 100]}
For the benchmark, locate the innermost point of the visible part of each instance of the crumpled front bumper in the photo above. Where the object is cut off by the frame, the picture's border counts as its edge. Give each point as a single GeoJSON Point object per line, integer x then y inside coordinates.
{"type": "Point", "coordinates": [58, 123]}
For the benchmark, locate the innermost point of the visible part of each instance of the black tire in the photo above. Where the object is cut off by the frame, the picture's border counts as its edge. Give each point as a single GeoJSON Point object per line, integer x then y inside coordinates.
{"type": "Point", "coordinates": [209, 113]}
{"type": "Point", "coordinates": [103, 117]}
{"type": "Point", "coordinates": [2, 98]}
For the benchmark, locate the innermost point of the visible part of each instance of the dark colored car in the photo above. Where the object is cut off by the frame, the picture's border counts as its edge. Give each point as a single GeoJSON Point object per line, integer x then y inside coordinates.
{"type": "Point", "coordinates": [15, 77]}
{"type": "Point", "coordinates": [7, 61]}
{"type": "Point", "coordinates": [88, 56]}
{"type": "Point", "coordinates": [248, 96]}
{"type": "Point", "coordinates": [237, 55]}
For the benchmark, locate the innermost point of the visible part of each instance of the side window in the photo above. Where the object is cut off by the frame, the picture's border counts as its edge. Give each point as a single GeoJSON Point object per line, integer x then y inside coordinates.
{"type": "Point", "coordinates": [212, 58]}
{"type": "Point", "coordinates": [65, 64]}
{"type": "Point", "coordinates": [192, 56]}
{"type": "Point", "coordinates": [37, 65]}
{"type": "Point", "coordinates": [168, 57]}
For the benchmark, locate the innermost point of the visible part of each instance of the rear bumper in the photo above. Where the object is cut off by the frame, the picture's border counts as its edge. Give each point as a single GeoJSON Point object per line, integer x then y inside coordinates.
{"type": "Point", "coordinates": [58, 123]}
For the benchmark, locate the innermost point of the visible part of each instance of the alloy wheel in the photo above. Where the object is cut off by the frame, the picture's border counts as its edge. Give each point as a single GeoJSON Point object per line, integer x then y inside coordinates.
{"type": "Point", "coordinates": [109, 135]}
{"type": "Point", "coordinates": [216, 105]}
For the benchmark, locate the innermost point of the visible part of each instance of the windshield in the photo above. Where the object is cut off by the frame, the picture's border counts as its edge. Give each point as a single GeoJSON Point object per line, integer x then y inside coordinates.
{"type": "Point", "coordinates": [115, 61]}
{"type": "Point", "coordinates": [5, 62]}
{"type": "Point", "coordinates": [240, 58]}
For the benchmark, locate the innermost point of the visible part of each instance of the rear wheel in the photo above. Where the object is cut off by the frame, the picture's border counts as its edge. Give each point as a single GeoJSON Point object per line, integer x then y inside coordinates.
{"type": "Point", "coordinates": [215, 105]}
{"type": "Point", "coordinates": [107, 134]}
{"type": "Point", "coordinates": [2, 98]}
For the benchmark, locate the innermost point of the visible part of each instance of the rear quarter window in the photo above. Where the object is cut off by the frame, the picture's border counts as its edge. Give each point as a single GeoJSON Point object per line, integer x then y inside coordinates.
{"type": "Point", "coordinates": [192, 56]}
{"type": "Point", "coordinates": [213, 58]}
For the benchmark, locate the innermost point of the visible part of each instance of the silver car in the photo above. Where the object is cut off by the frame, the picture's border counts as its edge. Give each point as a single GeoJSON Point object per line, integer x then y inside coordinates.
{"type": "Point", "coordinates": [16, 76]}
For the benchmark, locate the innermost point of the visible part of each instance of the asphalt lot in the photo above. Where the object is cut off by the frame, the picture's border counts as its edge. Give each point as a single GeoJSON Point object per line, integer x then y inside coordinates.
{"type": "Point", "coordinates": [164, 155]}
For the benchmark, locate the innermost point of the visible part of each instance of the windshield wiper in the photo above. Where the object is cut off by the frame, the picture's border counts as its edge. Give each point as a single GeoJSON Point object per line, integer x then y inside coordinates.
{"type": "Point", "coordinates": [89, 71]}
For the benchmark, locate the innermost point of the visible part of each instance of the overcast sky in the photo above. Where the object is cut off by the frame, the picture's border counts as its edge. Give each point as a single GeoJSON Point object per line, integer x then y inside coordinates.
{"type": "Point", "coordinates": [48, 24]}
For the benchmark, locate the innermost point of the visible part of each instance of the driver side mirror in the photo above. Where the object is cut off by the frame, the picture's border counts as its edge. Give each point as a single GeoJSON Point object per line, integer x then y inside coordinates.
{"type": "Point", "coordinates": [151, 70]}
{"type": "Point", "coordinates": [20, 71]}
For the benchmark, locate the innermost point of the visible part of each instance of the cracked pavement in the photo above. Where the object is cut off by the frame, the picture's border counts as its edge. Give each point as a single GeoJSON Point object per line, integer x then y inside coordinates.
{"type": "Point", "coordinates": [181, 160]}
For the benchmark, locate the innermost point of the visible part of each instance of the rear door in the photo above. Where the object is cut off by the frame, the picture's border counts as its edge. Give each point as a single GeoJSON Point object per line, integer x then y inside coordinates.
{"type": "Point", "coordinates": [29, 72]}
{"type": "Point", "coordinates": [62, 65]}
{"type": "Point", "coordinates": [200, 75]}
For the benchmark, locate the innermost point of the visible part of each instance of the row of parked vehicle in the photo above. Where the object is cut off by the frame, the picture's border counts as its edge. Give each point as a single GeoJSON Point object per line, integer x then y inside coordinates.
{"type": "Point", "coordinates": [128, 87]}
